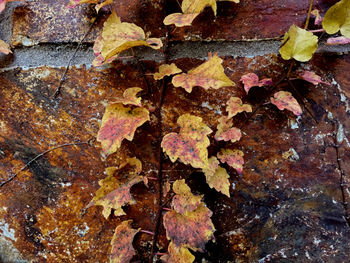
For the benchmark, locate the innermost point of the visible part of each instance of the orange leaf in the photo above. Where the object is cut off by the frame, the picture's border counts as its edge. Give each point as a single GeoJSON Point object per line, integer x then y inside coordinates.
{"type": "Point", "coordinates": [184, 201]}
{"type": "Point", "coordinates": [235, 106]}
{"type": "Point", "coordinates": [217, 177]}
{"type": "Point", "coordinates": [285, 100]}
{"type": "Point", "coordinates": [190, 145]}
{"type": "Point", "coordinates": [210, 74]}
{"type": "Point", "coordinates": [122, 249]}
{"type": "Point", "coordinates": [4, 48]}
{"type": "Point", "coordinates": [114, 192]}
{"type": "Point", "coordinates": [166, 70]}
{"type": "Point", "coordinates": [233, 158]}
{"type": "Point", "coordinates": [129, 97]}
{"type": "Point", "coordinates": [179, 19]}
{"type": "Point", "coordinates": [119, 123]}
{"type": "Point", "coordinates": [226, 132]}
{"type": "Point", "coordinates": [178, 255]}
{"type": "Point", "coordinates": [252, 80]}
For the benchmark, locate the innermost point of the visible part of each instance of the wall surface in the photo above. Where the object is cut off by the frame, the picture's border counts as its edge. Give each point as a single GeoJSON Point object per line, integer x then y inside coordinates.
{"type": "Point", "coordinates": [290, 204]}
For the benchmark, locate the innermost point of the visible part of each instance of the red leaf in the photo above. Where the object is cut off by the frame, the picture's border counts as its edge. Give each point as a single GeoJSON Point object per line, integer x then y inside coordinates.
{"type": "Point", "coordinates": [252, 80]}
{"type": "Point", "coordinates": [233, 158]}
{"type": "Point", "coordinates": [226, 132]}
{"type": "Point", "coordinates": [285, 100]}
{"type": "Point", "coordinates": [235, 106]}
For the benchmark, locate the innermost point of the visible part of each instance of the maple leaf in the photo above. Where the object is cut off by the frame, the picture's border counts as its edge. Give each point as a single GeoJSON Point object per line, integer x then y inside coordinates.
{"type": "Point", "coordinates": [299, 44]}
{"type": "Point", "coordinates": [166, 70]}
{"type": "Point", "coordinates": [119, 36]}
{"type": "Point", "coordinates": [217, 177]}
{"type": "Point", "coordinates": [178, 255]}
{"type": "Point", "coordinates": [338, 41]}
{"type": "Point", "coordinates": [313, 78]}
{"type": "Point", "coordinates": [226, 132]}
{"type": "Point", "coordinates": [74, 3]}
{"type": "Point", "coordinates": [122, 249]}
{"type": "Point", "coordinates": [252, 80]}
{"type": "Point", "coordinates": [192, 230]}
{"type": "Point", "coordinates": [338, 18]}
{"type": "Point", "coordinates": [129, 97]}
{"type": "Point", "coordinates": [184, 201]}
{"type": "Point", "coordinates": [235, 106]}
{"type": "Point", "coordinates": [285, 100]}
{"type": "Point", "coordinates": [4, 48]}
{"type": "Point", "coordinates": [210, 74]}
{"type": "Point", "coordinates": [190, 144]}
{"type": "Point", "coordinates": [233, 158]}
{"type": "Point", "coordinates": [119, 123]}
{"type": "Point", "coordinates": [114, 192]}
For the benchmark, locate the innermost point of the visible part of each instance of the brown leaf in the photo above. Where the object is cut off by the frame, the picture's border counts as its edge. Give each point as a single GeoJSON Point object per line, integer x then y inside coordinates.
{"type": "Point", "coordinates": [178, 255]}
{"type": "Point", "coordinates": [210, 74]}
{"type": "Point", "coordinates": [166, 70]}
{"type": "Point", "coordinates": [233, 158]}
{"type": "Point", "coordinates": [285, 100]}
{"type": "Point", "coordinates": [190, 144]}
{"type": "Point", "coordinates": [252, 80]}
{"type": "Point", "coordinates": [235, 106]}
{"type": "Point", "coordinates": [122, 249]}
{"type": "Point", "coordinates": [184, 201]}
{"type": "Point", "coordinates": [4, 48]}
{"type": "Point", "coordinates": [217, 177]}
{"type": "Point", "coordinates": [129, 97]}
{"type": "Point", "coordinates": [226, 132]}
{"type": "Point", "coordinates": [119, 123]}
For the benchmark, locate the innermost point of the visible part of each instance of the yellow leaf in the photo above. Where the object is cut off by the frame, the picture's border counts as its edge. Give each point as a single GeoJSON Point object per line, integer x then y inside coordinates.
{"type": "Point", "coordinates": [210, 74]}
{"type": "Point", "coordinates": [178, 254]}
{"type": "Point", "coordinates": [338, 18]}
{"type": "Point", "coordinates": [179, 19]}
{"type": "Point", "coordinates": [197, 6]}
{"type": "Point", "coordinates": [4, 48]}
{"type": "Point", "coordinates": [299, 44]}
{"type": "Point", "coordinates": [166, 70]}
{"type": "Point", "coordinates": [226, 132]}
{"type": "Point", "coordinates": [217, 177]}
{"type": "Point", "coordinates": [233, 158]}
{"type": "Point", "coordinates": [235, 106]}
{"type": "Point", "coordinates": [129, 97]}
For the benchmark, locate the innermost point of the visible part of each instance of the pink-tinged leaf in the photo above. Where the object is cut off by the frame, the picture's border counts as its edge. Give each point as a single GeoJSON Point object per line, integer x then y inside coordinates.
{"type": "Point", "coordinates": [338, 40]}
{"type": "Point", "coordinates": [313, 78]}
{"type": "Point", "coordinates": [235, 106]}
{"type": "Point", "coordinates": [129, 97]}
{"type": "Point", "coordinates": [217, 177]}
{"type": "Point", "coordinates": [119, 123]}
{"type": "Point", "coordinates": [184, 201]}
{"type": "Point", "coordinates": [190, 144]}
{"type": "Point", "coordinates": [233, 158]}
{"type": "Point", "coordinates": [285, 100]}
{"type": "Point", "coordinates": [178, 255]}
{"type": "Point", "coordinates": [122, 249]}
{"type": "Point", "coordinates": [252, 80]}
{"type": "Point", "coordinates": [226, 132]}
{"type": "Point", "coordinates": [4, 48]}
{"type": "Point", "coordinates": [179, 19]}
{"type": "Point", "coordinates": [166, 70]}
{"type": "Point", "coordinates": [318, 17]}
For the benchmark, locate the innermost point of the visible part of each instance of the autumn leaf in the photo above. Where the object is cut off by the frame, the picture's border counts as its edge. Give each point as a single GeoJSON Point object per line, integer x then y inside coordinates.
{"type": "Point", "coordinates": [179, 19]}
{"type": "Point", "coordinates": [235, 106]}
{"type": "Point", "coordinates": [122, 249]}
{"type": "Point", "coordinates": [129, 97]}
{"type": "Point", "coordinates": [313, 78]}
{"type": "Point", "coordinates": [318, 18]}
{"type": "Point", "coordinates": [119, 36]}
{"type": "Point", "coordinates": [192, 230]}
{"type": "Point", "coordinates": [166, 70]}
{"type": "Point", "coordinates": [233, 158]}
{"type": "Point", "coordinates": [217, 177]}
{"type": "Point", "coordinates": [226, 132]}
{"type": "Point", "coordinates": [119, 123]}
{"type": "Point", "coordinates": [252, 80]}
{"type": "Point", "coordinates": [114, 192]}
{"type": "Point", "coordinates": [338, 41]}
{"type": "Point", "coordinates": [74, 3]}
{"type": "Point", "coordinates": [178, 255]}
{"type": "Point", "coordinates": [190, 144]}
{"type": "Point", "coordinates": [299, 44]}
{"type": "Point", "coordinates": [4, 48]}
{"type": "Point", "coordinates": [184, 201]}
{"type": "Point", "coordinates": [210, 74]}
{"type": "Point", "coordinates": [338, 18]}
{"type": "Point", "coordinates": [285, 100]}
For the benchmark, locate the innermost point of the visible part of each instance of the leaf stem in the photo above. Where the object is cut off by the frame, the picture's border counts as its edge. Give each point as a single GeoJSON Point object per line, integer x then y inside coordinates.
{"type": "Point", "coordinates": [309, 14]}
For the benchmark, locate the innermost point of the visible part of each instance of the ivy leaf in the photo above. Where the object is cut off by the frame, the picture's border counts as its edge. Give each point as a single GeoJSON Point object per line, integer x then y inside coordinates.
{"type": "Point", "coordinates": [166, 70]}
{"type": "Point", "coordinates": [190, 144]}
{"type": "Point", "coordinates": [299, 44]}
{"type": "Point", "coordinates": [252, 80]}
{"type": "Point", "coordinates": [235, 106]}
{"type": "Point", "coordinates": [179, 19]}
{"type": "Point", "coordinates": [4, 48]}
{"type": "Point", "coordinates": [114, 192]}
{"type": "Point", "coordinates": [285, 100]}
{"type": "Point", "coordinates": [338, 18]}
{"type": "Point", "coordinates": [129, 97]}
{"type": "Point", "coordinates": [178, 255]}
{"type": "Point", "coordinates": [184, 201]}
{"type": "Point", "coordinates": [313, 78]}
{"type": "Point", "coordinates": [122, 249]}
{"type": "Point", "coordinates": [119, 36]}
{"type": "Point", "coordinates": [217, 177]}
{"type": "Point", "coordinates": [119, 123]}
{"type": "Point", "coordinates": [210, 74]}
{"type": "Point", "coordinates": [226, 132]}
{"type": "Point", "coordinates": [233, 158]}
{"type": "Point", "coordinates": [338, 41]}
